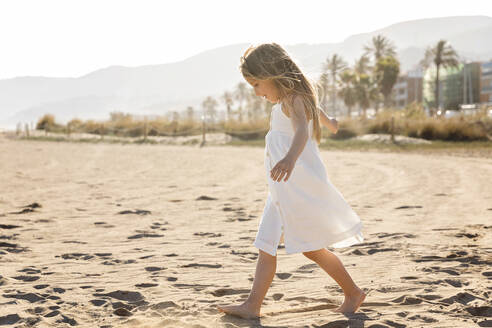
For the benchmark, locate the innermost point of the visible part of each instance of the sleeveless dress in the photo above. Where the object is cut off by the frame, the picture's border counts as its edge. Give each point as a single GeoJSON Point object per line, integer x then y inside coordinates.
{"type": "Point", "coordinates": [306, 211]}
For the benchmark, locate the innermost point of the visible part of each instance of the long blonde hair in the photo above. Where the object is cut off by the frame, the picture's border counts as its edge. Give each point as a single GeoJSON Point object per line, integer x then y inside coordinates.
{"type": "Point", "coordinates": [269, 61]}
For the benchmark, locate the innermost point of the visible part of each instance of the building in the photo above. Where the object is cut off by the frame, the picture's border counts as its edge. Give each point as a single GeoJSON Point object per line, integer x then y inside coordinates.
{"type": "Point", "coordinates": [486, 82]}
{"type": "Point", "coordinates": [457, 85]}
{"type": "Point", "coordinates": [408, 89]}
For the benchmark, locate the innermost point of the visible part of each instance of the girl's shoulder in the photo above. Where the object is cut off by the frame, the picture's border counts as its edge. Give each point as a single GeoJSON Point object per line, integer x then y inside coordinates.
{"type": "Point", "coordinates": [292, 100]}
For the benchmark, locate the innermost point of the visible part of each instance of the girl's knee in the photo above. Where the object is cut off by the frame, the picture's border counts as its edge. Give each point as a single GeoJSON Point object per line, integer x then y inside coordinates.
{"type": "Point", "coordinates": [266, 255]}
{"type": "Point", "coordinates": [312, 255]}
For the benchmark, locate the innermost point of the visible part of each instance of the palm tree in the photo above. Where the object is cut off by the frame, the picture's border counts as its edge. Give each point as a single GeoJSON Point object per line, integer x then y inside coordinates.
{"type": "Point", "coordinates": [387, 70]}
{"type": "Point", "coordinates": [254, 106]}
{"type": "Point", "coordinates": [323, 85]}
{"type": "Point", "coordinates": [442, 54]}
{"type": "Point", "coordinates": [380, 46]}
{"type": "Point", "coordinates": [334, 66]}
{"type": "Point", "coordinates": [209, 108]}
{"type": "Point", "coordinates": [241, 94]}
{"type": "Point", "coordinates": [362, 65]}
{"type": "Point", "coordinates": [228, 100]}
{"type": "Point", "coordinates": [347, 90]}
{"type": "Point", "coordinates": [366, 91]}
{"type": "Point", "coordinates": [190, 113]}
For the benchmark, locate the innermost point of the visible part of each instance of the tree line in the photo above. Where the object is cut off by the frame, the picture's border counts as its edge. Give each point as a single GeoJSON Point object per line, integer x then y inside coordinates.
{"type": "Point", "coordinates": [367, 83]}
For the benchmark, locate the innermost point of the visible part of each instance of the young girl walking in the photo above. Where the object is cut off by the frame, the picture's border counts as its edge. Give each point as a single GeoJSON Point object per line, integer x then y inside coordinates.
{"type": "Point", "coordinates": [303, 208]}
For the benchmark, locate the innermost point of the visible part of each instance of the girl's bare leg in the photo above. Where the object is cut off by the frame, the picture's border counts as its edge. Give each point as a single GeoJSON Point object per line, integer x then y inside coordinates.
{"type": "Point", "coordinates": [354, 296]}
{"type": "Point", "coordinates": [265, 270]}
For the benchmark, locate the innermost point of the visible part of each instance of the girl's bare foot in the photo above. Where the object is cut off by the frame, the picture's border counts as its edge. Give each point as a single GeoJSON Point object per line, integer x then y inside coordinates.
{"type": "Point", "coordinates": [352, 302]}
{"type": "Point", "coordinates": [244, 311]}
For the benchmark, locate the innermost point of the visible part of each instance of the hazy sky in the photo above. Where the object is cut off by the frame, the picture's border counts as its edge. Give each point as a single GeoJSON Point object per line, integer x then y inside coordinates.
{"type": "Point", "coordinates": [67, 38]}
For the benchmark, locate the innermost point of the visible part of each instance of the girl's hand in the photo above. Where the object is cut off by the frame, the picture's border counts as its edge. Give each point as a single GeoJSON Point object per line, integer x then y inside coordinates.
{"type": "Point", "coordinates": [282, 169]}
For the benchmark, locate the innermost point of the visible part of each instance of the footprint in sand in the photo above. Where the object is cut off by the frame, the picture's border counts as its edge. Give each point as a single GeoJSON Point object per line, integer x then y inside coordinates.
{"type": "Point", "coordinates": [97, 302]}
{"type": "Point", "coordinates": [146, 285]}
{"type": "Point", "coordinates": [277, 296]}
{"type": "Point", "coordinates": [371, 251]}
{"type": "Point", "coordinates": [423, 318]}
{"type": "Point", "coordinates": [137, 211]}
{"type": "Point", "coordinates": [122, 312]}
{"type": "Point", "coordinates": [145, 235]}
{"type": "Point", "coordinates": [407, 300]}
{"type": "Point", "coordinates": [154, 269]}
{"type": "Point", "coordinates": [26, 278]}
{"type": "Point", "coordinates": [28, 208]}
{"type": "Point", "coordinates": [41, 286]}
{"type": "Point", "coordinates": [467, 235]}
{"type": "Point", "coordinates": [283, 276]}
{"type": "Point", "coordinates": [439, 269]}
{"type": "Point", "coordinates": [225, 246]}
{"type": "Point", "coordinates": [462, 298]}
{"type": "Point", "coordinates": [206, 198]}
{"type": "Point", "coordinates": [157, 225]}
{"type": "Point", "coordinates": [164, 305]}
{"type": "Point", "coordinates": [248, 255]}
{"type": "Point", "coordinates": [171, 255]}
{"type": "Point", "coordinates": [395, 235]}
{"type": "Point", "coordinates": [75, 256]}
{"type": "Point", "coordinates": [456, 283]}
{"type": "Point", "coordinates": [407, 206]}
{"type": "Point", "coordinates": [31, 297]}
{"type": "Point", "coordinates": [9, 226]}
{"type": "Point", "coordinates": [207, 234]}
{"type": "Point", "coordinates": [307, 268]}
{"type": "Point", "coordinates": [123, 295]}
{"type": "Point", "coordinates": [229, 291]}
{"type": "Point", "coordinates": [196, 287]}
{"type": "Point", "coordinates": [198, 265]}
{"type": "Point", "coordinates": [480, 311]}
{"type": "Point", "coordinates": [73, 242]}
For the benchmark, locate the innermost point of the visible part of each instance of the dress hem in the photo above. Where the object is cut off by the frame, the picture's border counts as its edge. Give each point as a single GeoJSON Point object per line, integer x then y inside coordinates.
{"type": "Point", "coordinates": [352, 236]}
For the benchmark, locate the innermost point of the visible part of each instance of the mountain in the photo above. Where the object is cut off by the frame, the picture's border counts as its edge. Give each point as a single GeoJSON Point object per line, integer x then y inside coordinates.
{"type": "Point", "coordinates": [157, 89]}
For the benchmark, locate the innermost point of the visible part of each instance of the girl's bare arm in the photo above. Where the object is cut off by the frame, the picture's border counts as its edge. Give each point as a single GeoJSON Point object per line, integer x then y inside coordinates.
{"type": "Point", "coordinates": [299, 121]}
{"type": "Point", "coordinates": [329, 122]}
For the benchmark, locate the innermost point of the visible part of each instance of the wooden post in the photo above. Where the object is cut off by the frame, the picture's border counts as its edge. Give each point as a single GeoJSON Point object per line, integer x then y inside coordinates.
{"type": "Point", "coordinates": [102, 131]}
{"type": "Point", "coordinates": [18, 129]}
{"type": "Point", "coordinates": [145, 129]}
{"type": "Point", "coordinates": [393, 129]}
{"type": "Point", "coordinates": [203, 130]}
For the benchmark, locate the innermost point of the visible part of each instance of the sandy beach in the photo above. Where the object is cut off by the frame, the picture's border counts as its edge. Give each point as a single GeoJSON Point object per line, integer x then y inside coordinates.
{"type": "Point", "coordinates": [112, 235]}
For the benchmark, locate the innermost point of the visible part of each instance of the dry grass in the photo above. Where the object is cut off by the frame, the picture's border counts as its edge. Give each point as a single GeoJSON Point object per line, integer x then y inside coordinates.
{"type": "Point", "coordinates": [411, 122]}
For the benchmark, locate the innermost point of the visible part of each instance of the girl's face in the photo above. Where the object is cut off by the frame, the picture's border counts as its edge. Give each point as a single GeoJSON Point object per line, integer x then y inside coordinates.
{"type": "Point", "coordinates": [265, 89]}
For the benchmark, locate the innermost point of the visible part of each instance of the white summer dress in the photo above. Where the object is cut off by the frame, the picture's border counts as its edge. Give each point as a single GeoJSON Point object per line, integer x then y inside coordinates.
{"type": "Point", "coordinates": [306, 210]}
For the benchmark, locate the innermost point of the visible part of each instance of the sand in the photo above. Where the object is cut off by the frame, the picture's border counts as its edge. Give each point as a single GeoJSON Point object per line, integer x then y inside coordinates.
{"type": "Point", "coordinates": [112, 235]}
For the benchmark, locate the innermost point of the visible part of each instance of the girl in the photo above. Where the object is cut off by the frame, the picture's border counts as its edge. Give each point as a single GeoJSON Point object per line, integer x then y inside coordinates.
{"type": "Point", "coordinates": [302, 206]}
